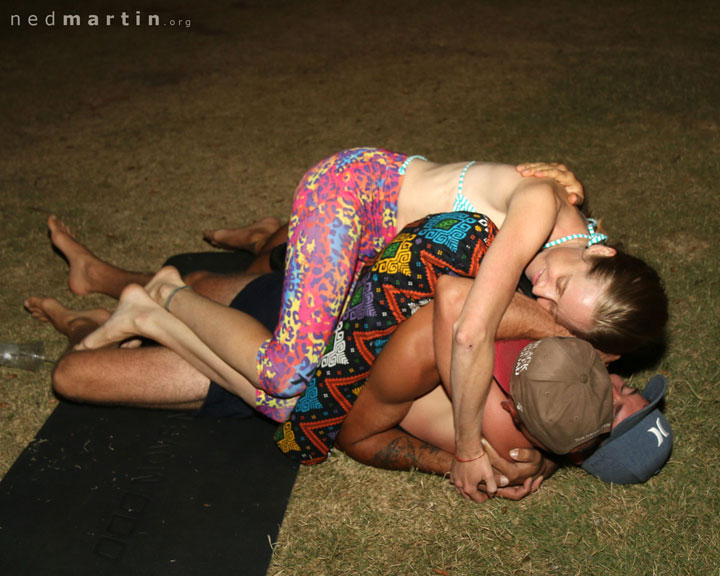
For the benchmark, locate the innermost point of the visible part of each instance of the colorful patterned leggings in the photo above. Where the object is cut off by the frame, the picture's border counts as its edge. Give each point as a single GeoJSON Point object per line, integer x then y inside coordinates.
{"type": "Point", "coordinates": [402, 279]}
{"type": "Point", "coordinates": [344, 213]}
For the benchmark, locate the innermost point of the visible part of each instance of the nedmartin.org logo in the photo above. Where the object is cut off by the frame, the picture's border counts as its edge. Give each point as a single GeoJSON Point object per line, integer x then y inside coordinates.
{"type": "Point", "coordinates": [125, 19]}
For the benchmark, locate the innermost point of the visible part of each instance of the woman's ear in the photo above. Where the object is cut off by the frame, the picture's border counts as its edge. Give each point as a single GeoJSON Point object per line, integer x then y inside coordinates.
{"type": "Point", "coordinates": [600, 250]}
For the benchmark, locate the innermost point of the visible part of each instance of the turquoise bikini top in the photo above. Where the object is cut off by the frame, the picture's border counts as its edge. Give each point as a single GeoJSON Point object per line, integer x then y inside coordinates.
{"type": "Point", "coordinates": [462, 204]}
{"type": "Point", "coordinates": [404, 165]}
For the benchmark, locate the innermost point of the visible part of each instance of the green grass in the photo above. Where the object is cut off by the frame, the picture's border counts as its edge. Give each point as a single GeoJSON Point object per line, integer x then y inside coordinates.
{"type": "Point", "coordinates": [140, 138]}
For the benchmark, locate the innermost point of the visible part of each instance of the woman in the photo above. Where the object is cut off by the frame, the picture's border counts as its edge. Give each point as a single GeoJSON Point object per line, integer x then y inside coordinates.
{"type": "Point", "coordinates": [345, 210]}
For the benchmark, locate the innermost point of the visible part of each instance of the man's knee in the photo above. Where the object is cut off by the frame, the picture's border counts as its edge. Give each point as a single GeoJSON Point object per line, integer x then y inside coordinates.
{"type": "Point", "coordinates": [67, 380]}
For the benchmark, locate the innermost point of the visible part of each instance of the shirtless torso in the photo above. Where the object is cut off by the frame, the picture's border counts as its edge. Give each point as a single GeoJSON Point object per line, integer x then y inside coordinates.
{"type": "Point", "coordinates": [413, 399]}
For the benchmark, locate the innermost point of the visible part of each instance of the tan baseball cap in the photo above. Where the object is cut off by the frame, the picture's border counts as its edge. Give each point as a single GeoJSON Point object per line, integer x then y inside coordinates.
{"type": "Point", "coordinates": [562, 393]}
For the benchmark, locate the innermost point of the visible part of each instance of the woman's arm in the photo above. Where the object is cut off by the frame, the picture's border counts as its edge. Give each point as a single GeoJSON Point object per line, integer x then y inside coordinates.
{"type": "Point", "coordinates": [531, 215]}
{"type": "Point", "coordinates": [523, 319]}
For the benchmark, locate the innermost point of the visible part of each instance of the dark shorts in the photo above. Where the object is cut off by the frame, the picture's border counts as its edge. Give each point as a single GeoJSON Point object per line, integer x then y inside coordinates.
{"type": "Point", "coordinates": [261, 299]}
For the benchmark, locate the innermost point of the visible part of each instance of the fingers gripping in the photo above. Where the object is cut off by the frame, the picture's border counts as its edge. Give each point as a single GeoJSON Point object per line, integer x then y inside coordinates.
{"type": "Point", "coordinates": [559, 173]}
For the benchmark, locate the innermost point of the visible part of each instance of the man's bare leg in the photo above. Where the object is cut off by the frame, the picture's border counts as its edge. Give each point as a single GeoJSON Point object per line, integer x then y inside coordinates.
{"type": "Point", "coordinates": [252, 238]}
{"type": "Point", "coordinates": [260, 239]}
{"type": "Point", "coordinates": [88, 273]}
{"type": "Point", "coordinates": [149, 377]}
{"type": "Point", "coordinates": [152, 377]}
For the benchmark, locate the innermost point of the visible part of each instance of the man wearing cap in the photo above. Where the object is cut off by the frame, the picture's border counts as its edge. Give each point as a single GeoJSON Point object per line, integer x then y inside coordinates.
{"type": "Point", "coordinates": [405, 277]}
{"type": "Point", "coordinates": [548, 373]}
{"type": "Point", "coordinates": [560, 395]}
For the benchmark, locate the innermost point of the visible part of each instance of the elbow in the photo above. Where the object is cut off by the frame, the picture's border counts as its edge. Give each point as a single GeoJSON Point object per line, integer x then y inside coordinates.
{"type": "Point", "coordinates": [469, 336]}
{"type": "Point", "coordinates": [345, 444]}
{"type": "Point", "coordinates": [450, 295]}
{"type": "Point", "coordinates": [340, 441]}
{"type": "Point", "coordinates": [354, 447]}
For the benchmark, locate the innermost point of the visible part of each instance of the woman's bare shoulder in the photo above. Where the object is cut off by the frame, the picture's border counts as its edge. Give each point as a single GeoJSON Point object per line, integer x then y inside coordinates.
{"type": "Point", "coordinates": [498, 175]}
{"type": "Point", "coordinates": [490, 186]}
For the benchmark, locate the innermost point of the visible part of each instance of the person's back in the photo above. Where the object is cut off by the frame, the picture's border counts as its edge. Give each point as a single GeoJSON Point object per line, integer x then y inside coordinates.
{"type": "Point", "coordinates": [430, 419]}
{"type": "Point", "coordinates": [431, 188]}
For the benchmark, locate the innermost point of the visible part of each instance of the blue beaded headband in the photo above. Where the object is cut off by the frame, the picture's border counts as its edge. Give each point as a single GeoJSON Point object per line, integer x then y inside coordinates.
{"type": "Point", "coordinates": [592, 238]}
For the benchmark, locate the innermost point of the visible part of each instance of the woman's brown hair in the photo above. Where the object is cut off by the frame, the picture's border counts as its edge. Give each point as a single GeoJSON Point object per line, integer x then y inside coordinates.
{"type": "Point", "coordinates": [633, 311]}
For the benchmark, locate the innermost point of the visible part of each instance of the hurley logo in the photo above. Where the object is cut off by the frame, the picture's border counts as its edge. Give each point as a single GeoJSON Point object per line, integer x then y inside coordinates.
{"type": "Point", "coordinates": [659, 432]}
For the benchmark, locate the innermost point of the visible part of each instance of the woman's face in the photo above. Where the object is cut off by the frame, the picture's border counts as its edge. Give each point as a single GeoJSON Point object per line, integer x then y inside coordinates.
{"type": "Point", "coordinates": [561, 284]}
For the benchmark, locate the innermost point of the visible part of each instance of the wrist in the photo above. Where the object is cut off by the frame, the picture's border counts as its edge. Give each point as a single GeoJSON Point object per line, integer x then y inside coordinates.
{"type": "Point", "coordinates": [464, 460]}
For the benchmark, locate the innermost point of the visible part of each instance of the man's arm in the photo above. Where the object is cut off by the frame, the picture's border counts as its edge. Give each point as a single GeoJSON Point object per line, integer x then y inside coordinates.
{"type": "Point", "coordinates": [523, 318]}
{"type": "Point", "coordinates": [404, 370]}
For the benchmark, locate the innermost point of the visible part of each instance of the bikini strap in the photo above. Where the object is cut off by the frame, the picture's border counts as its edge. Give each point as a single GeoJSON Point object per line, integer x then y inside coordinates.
{"type": "Point", "coordinates": [404, 165]}
{"type": "Point", "coordinates": [592, 238]}
{"type": "Point", "coordinates": [462, 204]}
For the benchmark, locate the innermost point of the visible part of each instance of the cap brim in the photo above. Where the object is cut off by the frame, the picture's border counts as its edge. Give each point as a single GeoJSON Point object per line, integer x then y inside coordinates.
{"type": "Point", "coordinates": [639, 446]}
{"type": "Point", "coordinates": [653, 393]}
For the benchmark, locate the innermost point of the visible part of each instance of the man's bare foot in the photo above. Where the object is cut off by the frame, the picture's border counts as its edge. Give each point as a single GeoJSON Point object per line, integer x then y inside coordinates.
{"type": "Point", "coordinates": [62, 318]}
{"type": "Point", "coordinates": [251, 238]}
{"type": "Point", "coordinates": [84, 265]}
{"type": "Point", "coordinates": [130, 319]}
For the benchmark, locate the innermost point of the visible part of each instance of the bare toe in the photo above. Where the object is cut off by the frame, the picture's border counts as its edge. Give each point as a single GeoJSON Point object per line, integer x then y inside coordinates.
{"type": "Point", "coordinates": [81, 260]}
{"type": "Point", "coordinates": [36, 307]}
{"type": "Point", "coordinates": [220, 238]}
{"type": "Point", "coordinates": [58, 226]}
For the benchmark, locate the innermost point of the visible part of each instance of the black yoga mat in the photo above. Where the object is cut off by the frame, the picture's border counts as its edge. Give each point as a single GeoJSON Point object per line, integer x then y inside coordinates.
{"type": "Point", "coordinates": [224, 262]}
{"type": "Point", "coordinates": [216, 262]}
{"type": "Point", "coordinates": [108, 491]}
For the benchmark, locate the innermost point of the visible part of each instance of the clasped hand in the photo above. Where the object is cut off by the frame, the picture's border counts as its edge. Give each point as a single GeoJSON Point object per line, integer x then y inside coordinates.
{"type": "Point", "coordinates": [511, 479]}
{"type": "Point", "coordinates": [468, 475]}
